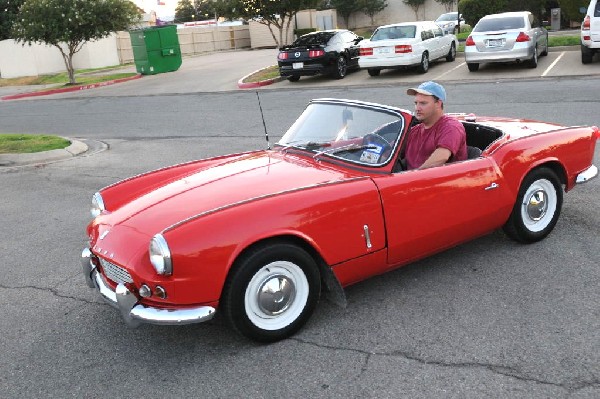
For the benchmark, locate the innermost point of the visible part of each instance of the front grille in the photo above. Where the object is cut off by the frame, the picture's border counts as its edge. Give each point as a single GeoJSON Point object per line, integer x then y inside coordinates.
{"type": "Point", "coordinates": [115, 273]}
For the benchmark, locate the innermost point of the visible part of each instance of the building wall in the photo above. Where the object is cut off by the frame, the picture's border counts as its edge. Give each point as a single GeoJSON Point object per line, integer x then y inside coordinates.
{"type": "Point", "coordinates": [396, 11]}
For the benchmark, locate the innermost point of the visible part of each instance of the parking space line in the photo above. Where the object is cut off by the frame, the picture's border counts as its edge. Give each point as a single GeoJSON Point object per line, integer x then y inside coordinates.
{"type": "Point", "coordinates": [554, 63]}
{"type": "Point", "coordinates": [447, 72]}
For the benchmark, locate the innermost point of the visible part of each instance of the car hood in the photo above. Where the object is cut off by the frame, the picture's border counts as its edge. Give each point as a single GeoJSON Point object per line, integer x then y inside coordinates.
{"type": "Point", "coordinates": [231, 182]}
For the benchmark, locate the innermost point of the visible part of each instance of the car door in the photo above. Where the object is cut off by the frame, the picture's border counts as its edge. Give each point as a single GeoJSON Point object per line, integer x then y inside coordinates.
{"type": "Point", "coordinates": [432, 209]}
{"type": "Point", "coordinates": [441, 46]}
{"type": "Point", "coordinates": [352, 47]}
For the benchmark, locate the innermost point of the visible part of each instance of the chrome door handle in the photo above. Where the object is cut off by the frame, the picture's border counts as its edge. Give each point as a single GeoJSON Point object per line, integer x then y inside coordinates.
{"type": "Point", "coordinates": [492, 186]}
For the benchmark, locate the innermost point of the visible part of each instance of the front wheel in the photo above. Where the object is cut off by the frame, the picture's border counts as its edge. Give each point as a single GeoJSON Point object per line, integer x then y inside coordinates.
{"type": "Point", "coordinates": [271, 292]}
{"type": "Point", "coordinates": [537, 208]}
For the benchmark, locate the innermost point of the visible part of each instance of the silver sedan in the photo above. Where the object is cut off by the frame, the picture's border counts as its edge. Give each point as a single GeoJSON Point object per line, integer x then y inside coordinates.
{"type": "Point", "coordinates": [505, 37]}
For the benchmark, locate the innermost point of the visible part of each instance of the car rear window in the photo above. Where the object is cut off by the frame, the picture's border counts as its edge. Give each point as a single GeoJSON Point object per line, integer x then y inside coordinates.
{"type": "Point", "coordinates": [313, 38]}
{"type": "Point", "coordinates": [494, 24]}
{"type": "Point", "coordinates": [394, 32]}
{"type": "Point", "coordinates": [597, 9]}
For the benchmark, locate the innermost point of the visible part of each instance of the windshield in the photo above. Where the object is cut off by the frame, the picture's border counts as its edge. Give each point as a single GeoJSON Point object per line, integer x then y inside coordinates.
{"type": "Point", "coordinates": [353, 132]}
{"type": "Point", "coordinates": [447, 17]}
{"type": "Point", "coordinates": [394, 32]}
{"type": "Point", "coordinates": [319, 38]}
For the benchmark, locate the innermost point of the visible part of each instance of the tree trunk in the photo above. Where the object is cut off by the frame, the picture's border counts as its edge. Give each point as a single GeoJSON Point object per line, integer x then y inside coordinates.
{"type": "Point", "coordinates": [68, 60]}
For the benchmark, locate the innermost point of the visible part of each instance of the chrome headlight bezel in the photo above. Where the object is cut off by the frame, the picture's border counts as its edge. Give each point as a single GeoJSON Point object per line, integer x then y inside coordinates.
{"type": "Point", "coordinates": [97, 205]}
{"type": "Point", "coordinates": [160, 255]}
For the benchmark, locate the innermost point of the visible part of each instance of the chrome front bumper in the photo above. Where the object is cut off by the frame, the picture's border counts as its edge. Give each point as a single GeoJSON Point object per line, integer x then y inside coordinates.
{"type": "Point", "coordinates": [587, 174]}
{"type": "Point", "coordinates": [128, 304]}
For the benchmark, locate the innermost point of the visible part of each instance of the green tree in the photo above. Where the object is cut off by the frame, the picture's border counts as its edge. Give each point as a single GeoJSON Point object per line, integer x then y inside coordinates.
{"type": "Point", "coordinates": [474, 10]}
{"type": "Point", "coordinates": [68, 24]}
{"type": "Point", "coordinates": [228, 9]}
{"type": "Point", "coordinates": [185, 11]}
{"type": "Point", "coordinates": [345, 8]}
{"type": "Point", "coordinates": [8, 14]}
{"type": "Point", "coordinates": [415, 5]}
{"type": "Point", "coordinates": [570, 9]}
{"type": "Point", "coordinates": [275, 14]}
{"type": "Point", "coordinates": [372, 7]}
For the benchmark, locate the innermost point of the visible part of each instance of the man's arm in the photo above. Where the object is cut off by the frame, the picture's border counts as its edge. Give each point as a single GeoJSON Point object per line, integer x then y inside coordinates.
{"type": "Point", "coordinates": [437, 158]}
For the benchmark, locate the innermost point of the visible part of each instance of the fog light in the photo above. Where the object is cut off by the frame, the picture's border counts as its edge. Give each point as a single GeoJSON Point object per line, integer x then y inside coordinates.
{"type": "Point", "coordinates": [160, 292]}
{"type": "Point", "coordinates": [145, 291]}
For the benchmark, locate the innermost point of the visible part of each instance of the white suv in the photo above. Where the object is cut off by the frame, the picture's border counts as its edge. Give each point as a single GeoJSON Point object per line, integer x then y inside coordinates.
{"type": "Point", "coordinates": [590, 32]}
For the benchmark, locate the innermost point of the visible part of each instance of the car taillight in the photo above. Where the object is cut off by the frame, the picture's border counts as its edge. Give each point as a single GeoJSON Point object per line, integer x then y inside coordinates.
{"type": "Point", "coordinates": [316, 53]}
{"type": "Point", "coordinates": [365, 51]}
{"type": "Point", "coordinates": [596, 132]}
{"type": "Point", "coordinates": [586, 23]}
{"type": "Point", "coordinates": [523, 37]}
{"type": "Point", "coordinates": [282, 56]}
{"type": "Point", "coordinates": [469, 41]}
{"type": "Point", "coordinates": [403, 48]}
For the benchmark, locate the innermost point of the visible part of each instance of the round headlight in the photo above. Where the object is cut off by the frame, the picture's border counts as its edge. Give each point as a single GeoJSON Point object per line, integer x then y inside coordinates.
{"type": "Point", "coordinates": [97, 205]}
{"type": "Point", "coordinates": [160, 255]}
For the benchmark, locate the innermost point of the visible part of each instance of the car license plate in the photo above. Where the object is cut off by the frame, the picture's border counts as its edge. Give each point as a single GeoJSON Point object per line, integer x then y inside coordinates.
{"type": "Point", "coordinates": [298, 65]}
{"type": "Point", "coordinates": [495, 42]}
{"type": "Point", "coordinates": [382, 50]}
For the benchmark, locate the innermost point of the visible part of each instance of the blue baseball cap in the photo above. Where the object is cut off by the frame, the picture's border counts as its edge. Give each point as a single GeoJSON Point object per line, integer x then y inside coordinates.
{"type": "Point", "coordinates": [429, 89]}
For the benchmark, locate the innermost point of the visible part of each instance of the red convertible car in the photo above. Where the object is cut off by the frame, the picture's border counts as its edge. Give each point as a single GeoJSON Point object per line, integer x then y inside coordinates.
{"type": "Point", "coordinates": [258, 236]}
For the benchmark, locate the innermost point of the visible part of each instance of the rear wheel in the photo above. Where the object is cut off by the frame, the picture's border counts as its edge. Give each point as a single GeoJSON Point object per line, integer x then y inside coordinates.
{"type": "Point", "coordinates": [533, 63]}
{"type": "Point", "coordinates": [293, 78]}
{"type": "Point", "coordinates": [452, 53]}
{"type": "Point", "coordinates": [545, 52]}
{"type": "Point", "coordinates": [271, 292]}
{"type": "Point", "coordinates": [373, 71]}
{"type": "Point", "coordinates": [537, 207]}
{"type": "Point", "coordinates": [586, 55]}
{"type": "Point", "coordinates": [341, 67]}
{"type": "Point", "coordinates": [424, 65]}
{"type": "Point", "coordinates": [473, 67]}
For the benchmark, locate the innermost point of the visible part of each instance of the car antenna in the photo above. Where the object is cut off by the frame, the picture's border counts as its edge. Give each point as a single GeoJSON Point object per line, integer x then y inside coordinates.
{"type": "Point", "coordinates": [263, 121]}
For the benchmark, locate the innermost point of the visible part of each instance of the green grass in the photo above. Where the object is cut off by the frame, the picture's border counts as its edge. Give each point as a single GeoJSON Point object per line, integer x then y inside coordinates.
{"type": "Point", "coordinates": [82, 77]}
{"type": "Point", "coordinates": [555, 41]}
{"type": "Point", "coordinates": [28, 143]}
{"type": "Point", "coordinates": [264, 74]}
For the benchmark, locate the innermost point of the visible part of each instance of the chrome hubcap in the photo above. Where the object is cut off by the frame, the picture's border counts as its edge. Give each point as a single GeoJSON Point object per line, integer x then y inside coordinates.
{"type": "Point", "coordinates": [537, 205]}
{"type": "Point", "coordinates": [275, 294]}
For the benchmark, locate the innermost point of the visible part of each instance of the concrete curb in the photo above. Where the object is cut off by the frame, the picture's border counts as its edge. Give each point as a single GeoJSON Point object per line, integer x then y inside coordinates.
{"type": "Point", "coordinates": [76, 148]}
{"type": "Point", "coordinates": [68, 89]}
{"type": "Point", "coordinates": [250, 85]}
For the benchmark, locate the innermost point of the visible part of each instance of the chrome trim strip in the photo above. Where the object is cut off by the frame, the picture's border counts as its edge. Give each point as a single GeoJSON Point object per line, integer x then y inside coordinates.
{"type": "Point", "coordinates": [248, 200]}
{"type": "Point", "coordinates": [587, 175]}
{"type": "Point", "coordinates": [135, 313]}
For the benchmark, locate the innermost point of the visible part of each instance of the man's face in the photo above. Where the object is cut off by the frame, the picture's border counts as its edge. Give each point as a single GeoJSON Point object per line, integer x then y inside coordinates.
{"type": "Point", "coordinates": [426, 107]}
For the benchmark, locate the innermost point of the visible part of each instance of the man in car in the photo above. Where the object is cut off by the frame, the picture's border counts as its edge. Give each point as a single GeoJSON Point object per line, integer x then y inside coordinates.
{"type": "Point", "coordinates": [438, 138]}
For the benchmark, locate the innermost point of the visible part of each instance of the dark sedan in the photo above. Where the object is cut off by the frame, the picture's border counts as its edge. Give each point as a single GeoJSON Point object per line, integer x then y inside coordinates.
{"type": "Point", "coordinates": [331, 52]}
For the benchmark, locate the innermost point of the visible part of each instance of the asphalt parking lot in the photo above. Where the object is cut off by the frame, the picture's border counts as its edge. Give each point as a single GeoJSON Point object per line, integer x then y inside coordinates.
{"type": "Point", "coordinates": [221, 71]}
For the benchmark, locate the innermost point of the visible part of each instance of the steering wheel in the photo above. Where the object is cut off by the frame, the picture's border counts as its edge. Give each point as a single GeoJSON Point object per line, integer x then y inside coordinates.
{"type": "Point", "coordinates": [374, 138]}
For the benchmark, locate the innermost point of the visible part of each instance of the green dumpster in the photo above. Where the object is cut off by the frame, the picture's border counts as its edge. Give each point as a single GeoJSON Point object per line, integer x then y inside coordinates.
{"type": "Point", "coordinates": [156, 49]}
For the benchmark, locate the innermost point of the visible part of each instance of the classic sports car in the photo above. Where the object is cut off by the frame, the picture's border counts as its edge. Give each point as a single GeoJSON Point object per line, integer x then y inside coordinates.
{"type": "Point", "coordinates": [258, 235]}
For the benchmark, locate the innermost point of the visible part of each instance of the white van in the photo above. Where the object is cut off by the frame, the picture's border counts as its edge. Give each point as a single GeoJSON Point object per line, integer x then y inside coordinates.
{"type": "Point", "coordinates": [590, 32]}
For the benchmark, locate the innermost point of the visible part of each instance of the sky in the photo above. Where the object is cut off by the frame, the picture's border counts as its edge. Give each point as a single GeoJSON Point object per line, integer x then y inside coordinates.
{"type": "Point", "coordinates": [163, 8]}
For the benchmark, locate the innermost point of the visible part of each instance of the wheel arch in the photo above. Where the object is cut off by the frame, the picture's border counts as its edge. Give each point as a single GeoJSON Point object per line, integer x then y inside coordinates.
{"type": "Point", "coordinates": [328, 278]}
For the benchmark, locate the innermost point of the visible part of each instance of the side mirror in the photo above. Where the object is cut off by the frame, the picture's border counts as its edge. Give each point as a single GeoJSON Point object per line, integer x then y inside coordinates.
{"type": "Point", "coordinates": [358, 39]}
